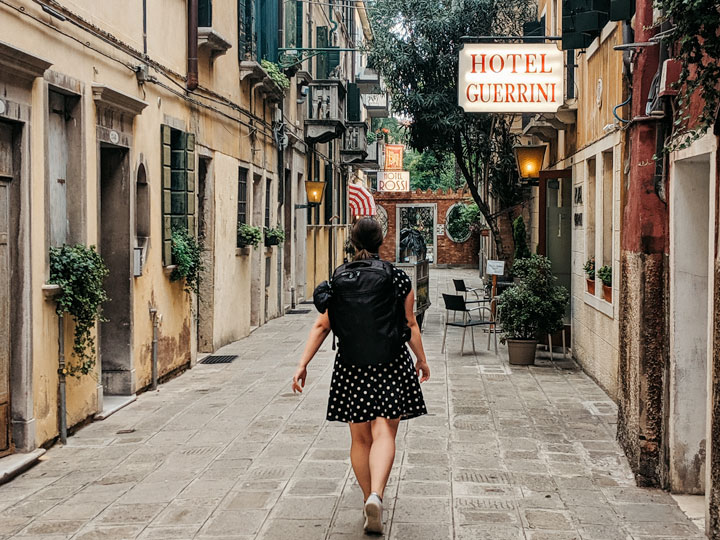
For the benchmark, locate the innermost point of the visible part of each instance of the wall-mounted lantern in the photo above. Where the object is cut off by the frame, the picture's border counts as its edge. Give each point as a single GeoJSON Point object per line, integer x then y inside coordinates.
{"type": "Point", "coordinates": [529, 160]}
{"type": "Point", "coordinates": [314, 191]}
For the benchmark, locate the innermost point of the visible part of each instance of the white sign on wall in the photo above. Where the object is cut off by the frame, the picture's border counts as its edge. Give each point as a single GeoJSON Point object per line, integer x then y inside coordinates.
{"type": "Point", "coordinates": [440, 229]}
{"type": "Point", "coordinates": [393, 180]}
{"type": "Point", "coordinates": [495, 268]}
{"type": "Point", "coordinates": [511, 77]}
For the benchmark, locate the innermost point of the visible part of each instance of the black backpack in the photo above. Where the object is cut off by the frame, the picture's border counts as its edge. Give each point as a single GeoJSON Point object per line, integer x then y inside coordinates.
{"type": "Point", "coordinates": [365, 314]}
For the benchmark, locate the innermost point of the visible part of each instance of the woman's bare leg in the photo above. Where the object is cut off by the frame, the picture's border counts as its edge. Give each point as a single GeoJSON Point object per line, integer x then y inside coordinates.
{"type": "Point", "coordinates": [382, 452]}
{"type": "Point", "coordinates": [360, 454]}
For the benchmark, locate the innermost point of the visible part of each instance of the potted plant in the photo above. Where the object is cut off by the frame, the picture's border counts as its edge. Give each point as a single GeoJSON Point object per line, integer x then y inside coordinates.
{"type": "Point", "coordinates": [533, 307]}
{"type": "Point", "coordinates": [590, 274]}
{"type": "Point", "coordinates": [273, 236]}
{"type": "Point", "coordinates": [247, 236]}
{"type": "Point", "coordinates": [605, 275]}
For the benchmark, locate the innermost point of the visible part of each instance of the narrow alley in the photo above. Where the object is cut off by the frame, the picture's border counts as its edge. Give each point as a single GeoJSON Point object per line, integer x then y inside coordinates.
{"type": "Point", "coordinates": [227, 451]}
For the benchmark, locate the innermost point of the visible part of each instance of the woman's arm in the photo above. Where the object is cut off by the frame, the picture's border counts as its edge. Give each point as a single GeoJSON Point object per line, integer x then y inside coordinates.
{"type": "Point", "coordinates": [416, 339]}
{"type": "Point", "coordinates": [318, 333]}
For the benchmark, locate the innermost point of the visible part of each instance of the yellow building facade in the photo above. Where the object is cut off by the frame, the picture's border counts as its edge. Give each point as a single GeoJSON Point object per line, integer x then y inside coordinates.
{"type": "Point", "coordinates": [118, 124]}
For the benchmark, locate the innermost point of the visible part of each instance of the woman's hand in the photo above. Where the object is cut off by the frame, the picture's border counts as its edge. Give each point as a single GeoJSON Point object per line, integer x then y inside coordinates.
{"type": "Point", "coordinates": [421, 366]}
{"type": "Point", "coordinates": [299, 380]}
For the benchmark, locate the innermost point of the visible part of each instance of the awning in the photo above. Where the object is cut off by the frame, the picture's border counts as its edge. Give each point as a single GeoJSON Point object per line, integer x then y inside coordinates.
{"type": "Point", "coordinates": [361, 200]}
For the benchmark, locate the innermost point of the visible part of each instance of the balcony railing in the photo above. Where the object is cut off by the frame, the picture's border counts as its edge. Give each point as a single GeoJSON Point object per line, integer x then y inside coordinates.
{"type": "Point", "coordinates": [325, 119]}
{"type": "Point", "coordinates": [377, 105]}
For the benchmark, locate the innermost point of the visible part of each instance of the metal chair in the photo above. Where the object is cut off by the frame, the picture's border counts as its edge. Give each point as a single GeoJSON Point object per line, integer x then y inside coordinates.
{"type": "Point", "coordinates": [456, 304]}
{"type": "Point", "coordinates": [460, 287]}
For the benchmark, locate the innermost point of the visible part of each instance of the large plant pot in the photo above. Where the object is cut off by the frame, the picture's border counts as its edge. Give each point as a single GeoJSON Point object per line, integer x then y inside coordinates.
{"type": "Point", "coordinates": [591, 286]}
{"type": "Point", "coordinates": [522, 351]}
{"type": "Point", "coordinates": [607, 293]}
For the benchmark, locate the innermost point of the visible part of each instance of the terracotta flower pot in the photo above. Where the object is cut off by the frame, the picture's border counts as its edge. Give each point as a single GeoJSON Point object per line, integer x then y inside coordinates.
{"type": "Point", "coordinates": [590, 286]}
{"type": "Point", "coordinates": [521, 352]}
{"type": "Point", "coordinates": [607, 293]}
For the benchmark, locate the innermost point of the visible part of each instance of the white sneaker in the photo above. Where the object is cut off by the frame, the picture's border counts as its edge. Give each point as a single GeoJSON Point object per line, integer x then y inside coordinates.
{"type": "Point", "coordinates": [373, 514]}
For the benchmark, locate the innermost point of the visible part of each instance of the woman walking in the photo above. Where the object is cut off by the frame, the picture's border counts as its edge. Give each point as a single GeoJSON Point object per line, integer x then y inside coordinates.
{"type": "Point", "coordinates": [374, 383]}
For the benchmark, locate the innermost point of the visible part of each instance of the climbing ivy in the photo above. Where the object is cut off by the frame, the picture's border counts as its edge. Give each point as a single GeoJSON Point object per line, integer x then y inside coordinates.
{"type": "Point", "coordinates": [186, 254]}
{"type": "Point", "coordinates": [79, 271]}
{"type": "Point", "coordinates": [694, 40]}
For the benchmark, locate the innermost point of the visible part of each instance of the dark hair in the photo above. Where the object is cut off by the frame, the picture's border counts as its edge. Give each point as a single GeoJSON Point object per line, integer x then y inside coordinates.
{"type": "Point", "coordinates": [367, 237]}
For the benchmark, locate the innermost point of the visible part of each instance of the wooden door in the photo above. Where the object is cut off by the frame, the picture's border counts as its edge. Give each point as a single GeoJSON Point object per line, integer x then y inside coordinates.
{"type": "Point", "coordinates": [6, 173]}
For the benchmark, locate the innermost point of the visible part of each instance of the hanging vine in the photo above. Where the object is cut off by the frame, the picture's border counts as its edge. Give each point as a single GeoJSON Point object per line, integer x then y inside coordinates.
{"type": "Point", "coordinates": [694, 39]}
{"type": "Point", "coordinates": [79, 271]}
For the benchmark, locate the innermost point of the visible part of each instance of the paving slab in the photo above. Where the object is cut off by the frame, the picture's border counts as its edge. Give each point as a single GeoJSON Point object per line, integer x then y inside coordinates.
{"type": "Point", "coordinates": [229, 452]}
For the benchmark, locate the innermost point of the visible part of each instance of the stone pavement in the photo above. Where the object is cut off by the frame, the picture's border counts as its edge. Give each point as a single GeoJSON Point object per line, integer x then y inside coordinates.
{"type": "Point", "coordinates": [227, 451]}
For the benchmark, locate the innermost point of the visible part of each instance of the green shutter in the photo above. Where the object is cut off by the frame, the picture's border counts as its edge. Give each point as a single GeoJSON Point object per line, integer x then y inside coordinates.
{"type": "Point", "coordinates": [204, 13]}
{"type": "Point", "coordinates": [353, 103]}
{"type": "Point", "coordinates": [178, 189]}
{"type": "Point", "coordinates": [266, 29]}
{"type": "Point", "coordinates": [333, 60]}
{"type": "Point", "coordinates": [321, 42]}
{"type": "Point", "coordinates": [299, 23]}
{"type": "Point", "coordinates": [165, 141]}
{"type": "Point", "coordinates": [290, 29]}
{"type": "Point", "coordinates": [242, 33]}
{"type": "Point", "coordinates": [621, 10]}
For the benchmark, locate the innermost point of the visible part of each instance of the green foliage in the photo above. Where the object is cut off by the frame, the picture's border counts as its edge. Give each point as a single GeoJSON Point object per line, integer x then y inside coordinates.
{"type": "Point", "coordinates": [416, 48]}
{"type": "Point", "coordinates": [589, 268]}
{"type": "Point", "coordinates": [605, 275]}
{"type": "Point", "coordinates": [273, 236]}
{"type": "Point", "coordinates": [693, 36]}
{"type": "Point", "coordinates": [535, 306]}
{"type": "Point", "coordinates": [79, 271]}
{"type": "Point", "coordinates": [429, 170]}
{"type": "Point", "coordinates": [275, 73]}
{"type": "Point", "coordinates": [186, 254]}
{"type": "Point", "coordinates": [247, 235]}
{"type": "Point", "coordinates": [390, 129]}
{"type": "Point", "coordinates": [460, 221]}
{"type": "Point", "coordinates": [522, 251]}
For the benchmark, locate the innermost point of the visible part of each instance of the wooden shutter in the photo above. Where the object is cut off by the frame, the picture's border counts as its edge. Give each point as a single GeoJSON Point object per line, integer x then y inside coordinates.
{"type": "Point", "coordinates": [266, 29]}
{"type": "Point", "coordinates": [291, 23]}
{"type": "Point", "coordinates": [242, 29]}
{"type": "Point", "coordinates": [178, 189]}
{"type": "Point", "coordinates": [321, 42]}
{"type": "Point", "coordinates": [299, 23]}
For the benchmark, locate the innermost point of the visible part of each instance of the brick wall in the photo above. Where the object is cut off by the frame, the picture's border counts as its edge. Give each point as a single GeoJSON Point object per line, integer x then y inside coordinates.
{"type": "Point", "coordinates": [448, 252]}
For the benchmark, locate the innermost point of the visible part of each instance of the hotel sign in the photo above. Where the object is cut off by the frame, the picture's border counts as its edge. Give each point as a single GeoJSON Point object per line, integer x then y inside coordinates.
{"type": "Point", "coordinates": [510, 77]}
{"type": "Point", "coordinates": [394, 157]}
{"type": "Point", "coordinates": [393, 181]}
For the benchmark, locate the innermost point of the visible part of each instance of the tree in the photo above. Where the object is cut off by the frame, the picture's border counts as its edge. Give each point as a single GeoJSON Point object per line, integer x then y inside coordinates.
{"type": "Point", "coordinates": [416, 47]}
{"type": "Point", "coordinates": [429, 170]}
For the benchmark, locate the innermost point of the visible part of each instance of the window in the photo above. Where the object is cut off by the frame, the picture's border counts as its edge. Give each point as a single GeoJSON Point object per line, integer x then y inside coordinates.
{"type": "Point", "coordinates": [268, 191]}
{"type": "Point", "coordinates": [242, 196]}
{"type": "Point", "coordinates": [178, 194]}
{"type": "Point", "coordinates": [142, 204]}
{"type": "Point", "coordinates": [590, 210]}
{"type": "Point", "coordinates": [329, 193]}
{"type": "Point", "coordinates": [258, 29]}
{"type": "Point", "coordinates": [607, 208]}
{"type": "Point", "coordinates": [204, 13]}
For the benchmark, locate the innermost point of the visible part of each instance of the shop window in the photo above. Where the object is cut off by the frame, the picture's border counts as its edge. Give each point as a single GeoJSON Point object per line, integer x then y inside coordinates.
{"type": "Point", "coordinates": [178, 193]}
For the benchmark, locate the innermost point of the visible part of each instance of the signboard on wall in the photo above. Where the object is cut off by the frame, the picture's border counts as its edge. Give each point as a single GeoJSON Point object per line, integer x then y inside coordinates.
{"type": "Point", "coordinates": [394, 157]}
{"type": "Point", "coordinates": [511, 77]}
{"type": "Point", "coordinates": [393, 181]}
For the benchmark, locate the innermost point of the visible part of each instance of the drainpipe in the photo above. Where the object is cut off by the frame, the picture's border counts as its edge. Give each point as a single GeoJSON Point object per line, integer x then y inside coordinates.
{"type": "Point", "coordinates": [192, 46]}
{"type": "Point", "coordinates": [155, 318]}
{"type": "Point", "coordinates": [62, 372]}
{"type": "Point", "coordinates": [144, 27]}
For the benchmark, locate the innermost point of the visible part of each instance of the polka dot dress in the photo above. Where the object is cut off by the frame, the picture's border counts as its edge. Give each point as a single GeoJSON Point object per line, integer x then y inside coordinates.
{"type": "Point", "coordinates": [391, 390]}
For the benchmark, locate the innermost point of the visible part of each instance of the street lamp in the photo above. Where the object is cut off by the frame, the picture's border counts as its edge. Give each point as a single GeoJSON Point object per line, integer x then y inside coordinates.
{"type": "Point", "coordinates": [314, 191]}
{"type": "Point", "coordinates": [529, 160]}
